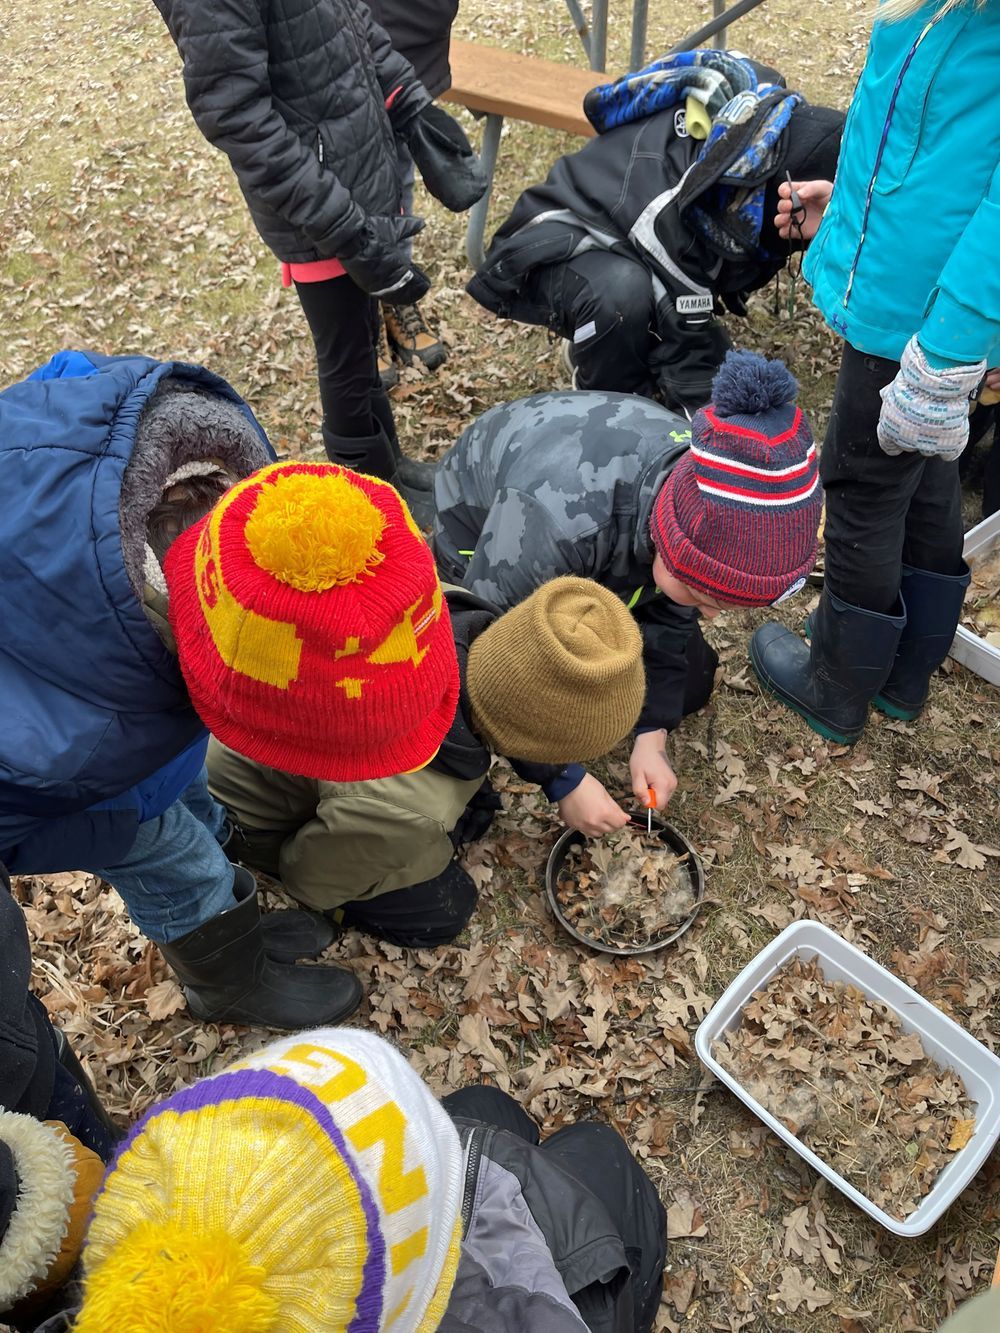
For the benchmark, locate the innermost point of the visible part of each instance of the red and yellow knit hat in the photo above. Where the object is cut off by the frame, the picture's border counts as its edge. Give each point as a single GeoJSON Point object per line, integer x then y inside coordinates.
{"type": "Point", "coordinates": [310, 625]}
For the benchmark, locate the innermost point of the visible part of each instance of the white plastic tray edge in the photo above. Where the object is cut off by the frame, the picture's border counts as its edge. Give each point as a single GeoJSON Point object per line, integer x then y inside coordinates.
{"type": "Point", "coordinates": [809, 938]}
{"type": "Point", "coordinates": [968, 648]}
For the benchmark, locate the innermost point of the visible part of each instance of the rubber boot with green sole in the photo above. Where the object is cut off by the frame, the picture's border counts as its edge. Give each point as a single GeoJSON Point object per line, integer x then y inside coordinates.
{"type": "Point", "coordinates": [831, 681]}
{"type": "Point", "coordinates": [933, 607]}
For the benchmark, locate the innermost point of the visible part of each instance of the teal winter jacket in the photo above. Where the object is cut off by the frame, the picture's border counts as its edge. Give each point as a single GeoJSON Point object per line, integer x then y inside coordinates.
{"type": "Point", "coordinates": [911, 240]}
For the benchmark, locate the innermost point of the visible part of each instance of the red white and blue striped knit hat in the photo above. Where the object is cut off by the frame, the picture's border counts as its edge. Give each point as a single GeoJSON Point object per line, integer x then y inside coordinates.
{"type": "Point", "coordinates": [738, 515]}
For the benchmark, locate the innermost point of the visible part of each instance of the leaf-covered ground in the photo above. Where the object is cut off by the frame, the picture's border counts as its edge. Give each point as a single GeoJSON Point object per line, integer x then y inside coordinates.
{"type": "Point", "coordinates": [121, 230]}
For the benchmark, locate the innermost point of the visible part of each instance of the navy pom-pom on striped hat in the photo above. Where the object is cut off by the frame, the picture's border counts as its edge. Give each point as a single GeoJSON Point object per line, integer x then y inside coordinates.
{"type": "Point", "coordinates": [737, 516]}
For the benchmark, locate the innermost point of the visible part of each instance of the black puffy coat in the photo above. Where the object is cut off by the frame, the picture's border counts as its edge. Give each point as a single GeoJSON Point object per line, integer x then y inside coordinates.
{"type": "Point", "coordinates": [27, 1048]}
{"type": "Point", "coordinates": [625, 191]}
{"type": "Point", "coordinates": [295, 93]}
{"type": "Point", "coordinates": [421, 31]}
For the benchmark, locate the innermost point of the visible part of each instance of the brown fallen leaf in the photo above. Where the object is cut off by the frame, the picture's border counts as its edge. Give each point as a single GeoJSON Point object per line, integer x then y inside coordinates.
{"type": "Point", "coordinates": [961, 1134]}
{"type": "Point", "coordinates": [164, 999]}
{"type": "Point", "coordinates": [685, 1218]}
{"type": "Point", "coordinates": [798, 1289]}
{"type": "Point", "coordinates": [968, 854]}
{"type": "Point", "coordinates": [678, 1289]}
{"type": "Point", "coordinates": [799, 1242]}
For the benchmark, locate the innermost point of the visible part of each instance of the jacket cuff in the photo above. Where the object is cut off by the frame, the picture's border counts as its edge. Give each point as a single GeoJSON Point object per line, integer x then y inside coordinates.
{"type": "Point", "coordinates": [565, 781]}
{"type": "Point", "coordinates": [956, 332]}
{"type": "Point", "coordinates": [655, 717]}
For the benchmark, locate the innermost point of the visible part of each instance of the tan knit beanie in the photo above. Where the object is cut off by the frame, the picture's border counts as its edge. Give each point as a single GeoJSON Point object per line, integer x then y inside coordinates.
{"type": "Point", "coordinates": [558, 678]}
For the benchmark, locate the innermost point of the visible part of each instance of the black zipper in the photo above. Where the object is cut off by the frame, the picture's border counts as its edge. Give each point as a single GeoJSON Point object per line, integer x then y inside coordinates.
{"type": "Point", "coordinates": [474, 1150]}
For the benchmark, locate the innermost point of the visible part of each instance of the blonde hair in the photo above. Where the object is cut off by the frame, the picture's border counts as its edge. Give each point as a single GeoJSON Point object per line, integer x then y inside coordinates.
{"type": "Point", "coordinates": [894, 10]}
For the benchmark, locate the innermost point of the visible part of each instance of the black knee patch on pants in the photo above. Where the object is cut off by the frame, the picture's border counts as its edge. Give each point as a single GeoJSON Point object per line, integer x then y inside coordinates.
{"type": "Point", "coordinates": [423, 916]}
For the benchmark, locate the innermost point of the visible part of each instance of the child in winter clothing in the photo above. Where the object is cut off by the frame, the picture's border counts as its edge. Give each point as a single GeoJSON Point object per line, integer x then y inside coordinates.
{"type": "Point", "coordinates": [635, 241]}
{"type": "Point", "coordinates": [676, 519]}
{"type": "Point", "coordinates": [420, 30]}
{"type": "Point", "coordinates": [54, 1136]}
{"type": "Point", "coordinates": [308, 99]}
{"type": "Point", "coordinates": [557, 679]}
{"type": "Point", "coordinates": [904, 268]}
{"type": "Point", "coordinates": [298, 604]}
{"type": "Point", "coordinates": [318, 1185]}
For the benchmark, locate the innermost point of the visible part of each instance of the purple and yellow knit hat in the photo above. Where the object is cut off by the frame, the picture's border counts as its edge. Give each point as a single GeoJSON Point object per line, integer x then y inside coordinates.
{"type": "Point", "coordinates": [314, 1185]}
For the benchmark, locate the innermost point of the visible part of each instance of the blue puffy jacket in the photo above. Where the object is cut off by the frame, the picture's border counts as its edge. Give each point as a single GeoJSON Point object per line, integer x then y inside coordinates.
{"type": "Point", "coordinates": [911, 243]}
{"type": "Point", "coordinates": [97, 730]}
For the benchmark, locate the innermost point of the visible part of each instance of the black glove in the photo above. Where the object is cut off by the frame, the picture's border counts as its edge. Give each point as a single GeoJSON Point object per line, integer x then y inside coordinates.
{"type": "Point", "coordinates": [685, 361]}
{"type": "Point", "coordinates": [378, 263]}
{"type": "Point", "coordinates": [450, 168]}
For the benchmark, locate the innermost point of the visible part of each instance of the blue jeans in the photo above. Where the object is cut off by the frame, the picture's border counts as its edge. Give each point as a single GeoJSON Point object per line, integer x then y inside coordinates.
{"type": "Point", "coordinates": [176, 876]}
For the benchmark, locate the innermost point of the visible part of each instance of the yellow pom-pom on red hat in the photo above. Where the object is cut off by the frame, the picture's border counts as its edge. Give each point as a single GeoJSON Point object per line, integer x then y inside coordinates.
{"type": "Point", "coordinates": [310, 626]}
{"type": "Point", "coordinates": [314, 530]}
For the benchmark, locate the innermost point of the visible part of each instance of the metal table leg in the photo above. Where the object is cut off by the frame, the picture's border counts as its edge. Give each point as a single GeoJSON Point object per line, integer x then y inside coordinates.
{"type": "Point", "coordinates": [637, 56]}
{"type": "Point", "coordinates": [717, 25]}
{"type": "Point", "coordinates": [718, 8]}
{"type": "Point", "coordinates": [599, 37]}
{"type": "Point", "coordinates": [580, 24]}
{"type": "Point", "coordinates": [476, 230]}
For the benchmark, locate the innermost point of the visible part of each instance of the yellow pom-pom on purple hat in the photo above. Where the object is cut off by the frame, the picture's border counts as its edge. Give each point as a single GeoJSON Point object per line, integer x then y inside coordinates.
{"type": "Point", "coordinates": [315, 1185]}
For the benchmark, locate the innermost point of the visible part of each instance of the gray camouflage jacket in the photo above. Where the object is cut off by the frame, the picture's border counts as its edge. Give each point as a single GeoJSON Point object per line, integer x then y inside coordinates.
{"type": "Point", "coordinates": [564, 483]}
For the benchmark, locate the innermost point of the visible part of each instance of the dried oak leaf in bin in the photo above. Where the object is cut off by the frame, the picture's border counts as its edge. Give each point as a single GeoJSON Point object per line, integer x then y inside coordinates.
{"type": "Point", "coordinates": [837, 1069]}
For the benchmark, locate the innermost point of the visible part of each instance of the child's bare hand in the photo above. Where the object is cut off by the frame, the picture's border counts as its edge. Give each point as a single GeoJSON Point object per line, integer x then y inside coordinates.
{"type": "Point", "coordinates": [650, 767]}
{"type": "Point", "coordinates": [813, 196]}
{"type": "Point", "coordinates": [590, 809]}
{"type": "Point", "coordinates": [992, 380]}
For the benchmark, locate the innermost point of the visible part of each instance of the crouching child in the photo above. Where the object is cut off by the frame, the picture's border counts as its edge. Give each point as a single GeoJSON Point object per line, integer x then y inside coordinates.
{"type": "Point", "coordinates": [555, 681]}
{"type": "Point", "coordinates": [318, 1184]}
{"type": "Point", "coordinates": [160, 576]}
{"type": "Point", "coordinates": [680, 520]}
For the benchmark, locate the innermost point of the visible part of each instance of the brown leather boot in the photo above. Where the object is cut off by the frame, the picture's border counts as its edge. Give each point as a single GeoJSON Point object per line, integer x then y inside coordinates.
{"type": "Point", "coordinates": [387, 371]}
{"type": "Point", "coordinates": [410, 337]}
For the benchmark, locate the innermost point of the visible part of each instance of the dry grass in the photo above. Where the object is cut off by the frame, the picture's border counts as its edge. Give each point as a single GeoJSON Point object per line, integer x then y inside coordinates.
{"type": "Point", "coordinates": [121, 230]}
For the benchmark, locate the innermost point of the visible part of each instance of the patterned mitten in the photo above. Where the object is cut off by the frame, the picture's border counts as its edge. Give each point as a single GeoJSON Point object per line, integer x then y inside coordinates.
{"type": "Point", "coordinates": [926, 411]}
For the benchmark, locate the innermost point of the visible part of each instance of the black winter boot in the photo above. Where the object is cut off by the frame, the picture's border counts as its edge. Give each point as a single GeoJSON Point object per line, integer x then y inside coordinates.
{"type": "Point", "coordinates": [228, 976]}
{"type": "Point", "coordinates": [831, 681]}
{"type": "Point", "coordinates": [413, 473]}
{"type": "Point", "coordinates": [933, 606]}
{"type": "Point", "coordinates": [377, 456]}
{"type": "Point", "coordinates": [287, 935]}
{"type": "Point", "coordinates": [370, 454]}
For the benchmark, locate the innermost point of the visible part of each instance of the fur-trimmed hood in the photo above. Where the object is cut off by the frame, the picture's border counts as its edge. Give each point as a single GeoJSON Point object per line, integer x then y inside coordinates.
{"type": "Point", "coordinates": [94, 700]}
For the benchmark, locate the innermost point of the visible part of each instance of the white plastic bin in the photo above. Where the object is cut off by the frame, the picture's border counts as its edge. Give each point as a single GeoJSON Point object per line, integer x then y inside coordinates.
{"type": "Point", "coordinates": [968, 648]}
{"type": "Point", "coordinates": [947, 1043]}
